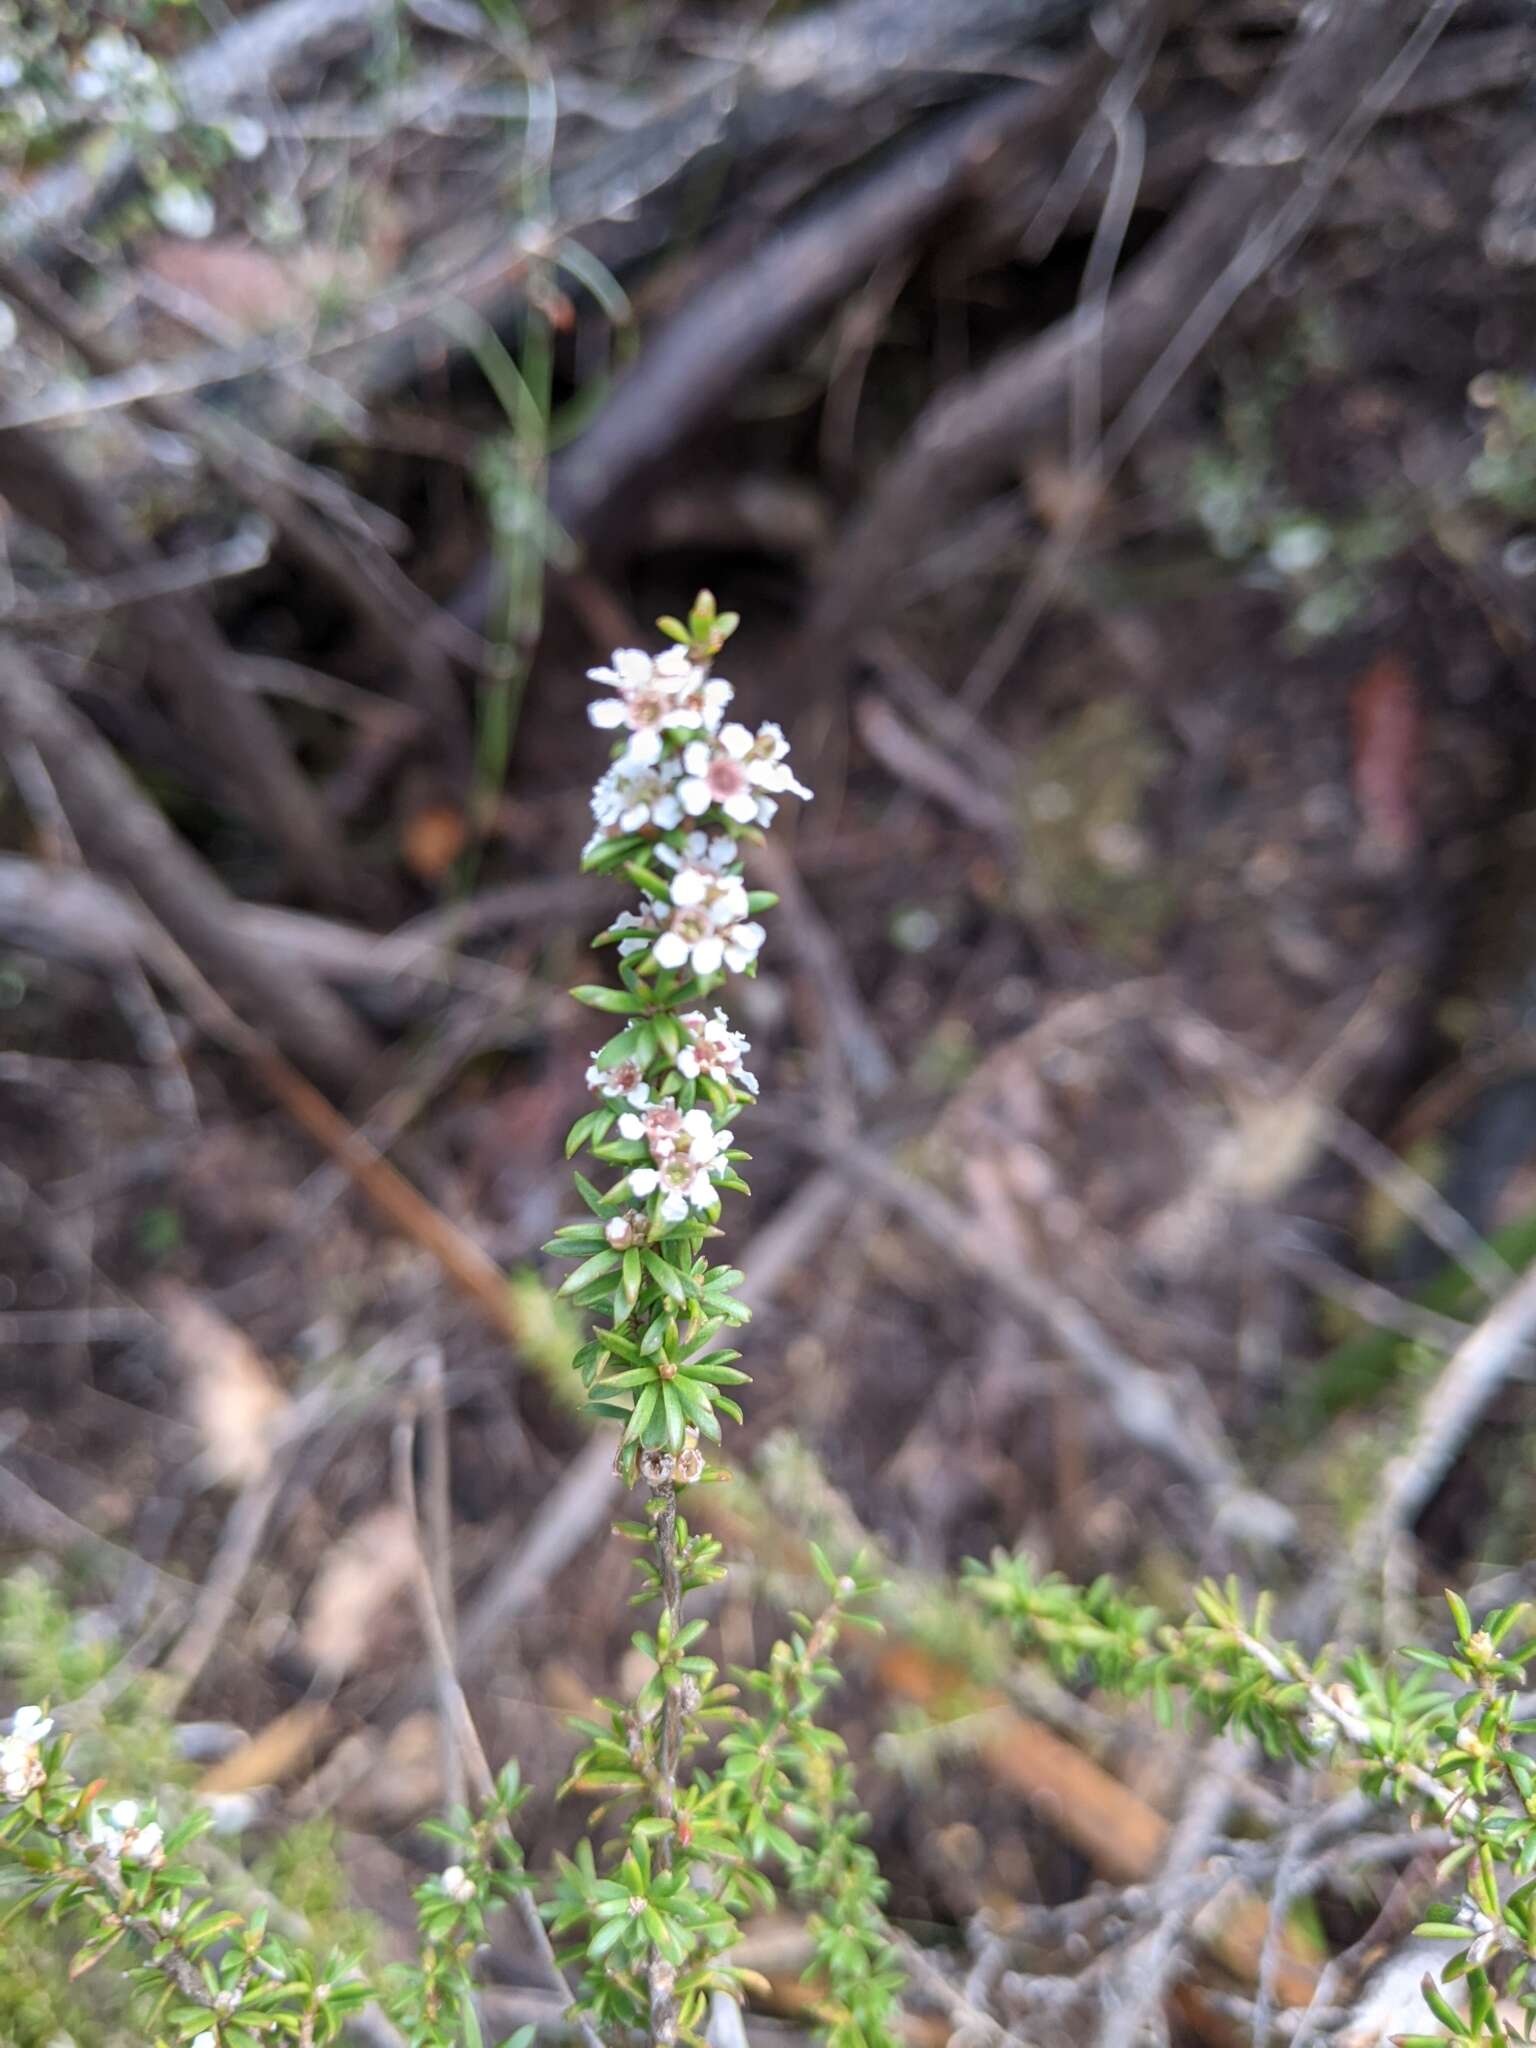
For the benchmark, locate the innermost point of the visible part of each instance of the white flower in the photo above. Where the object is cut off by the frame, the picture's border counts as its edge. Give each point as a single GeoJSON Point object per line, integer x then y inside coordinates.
{"type": "Point", "coordinates": [741, 772]}
{"type": "Point", "coordinates": [623, 1082]}
{"type": "Point", "coordinates": [21, 1767]}
{"type": "Point", "coordinates": [655, 696]}
{"type": "Point", "coordinates": [458, 1884]}
{"type": "Point", "coordinates": [714, 1051]}
{"type": "Point", "coordinates": [245, 136]}
{"type": "Point", "coordinates": [634, 669]}
{"type": "Point", "coordinates": [643, 920]}
{"type": "Point", "coordinates": [184, 210]}
{"type": "Point", "coordinates": [705, 926]}
{"type": "Point", "coordinates": [145, 1845]}
{"type": "Point", "coordinates": [109, 63]}
{"type": "Point", "coordinates": [765, 757]}
{"type": "Point", "coordinates": [713, 775]}
{"type": "Point", "coordinates": [685, 1149]}
{"type": "Point", "coordinates": [667, 1131]}
{"type": "Point", "coordinates": [206, 2039]}
{"type": "Point", "coordinates": [695, 937]}
{"type": "Point", "coordinates": [703, 862]}
{"type": "Point", "coordinates": [635, 793]}
{"type": "Point", "coordinates": [120, 1832]}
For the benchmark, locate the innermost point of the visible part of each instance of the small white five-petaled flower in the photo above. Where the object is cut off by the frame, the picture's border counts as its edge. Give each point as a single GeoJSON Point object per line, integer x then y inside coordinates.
{"type": "Point", "coordinates": [624, 1081]}
{"type": "Point", "coordinates": [740, 773]}
{"type": "Point", "coordinates": [684, 1152]}
{"type": "Point", "coordinates": [635, 793]}
{"type": "Point", "coordinates": [714, 1051]}
{"type": "Point", "coordinates": [707, 926]}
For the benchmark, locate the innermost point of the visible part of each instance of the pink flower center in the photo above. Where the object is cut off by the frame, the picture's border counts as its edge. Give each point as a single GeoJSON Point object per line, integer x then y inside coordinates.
{"type": "Point", "coordinates": [662, 1126]}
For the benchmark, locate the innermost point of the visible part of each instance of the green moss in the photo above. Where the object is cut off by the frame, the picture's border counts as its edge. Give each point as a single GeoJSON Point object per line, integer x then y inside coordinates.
{"type": "Point", "coordinates": [1082, 810]}
{"type": "Point", "coordinates": [303, 1871]}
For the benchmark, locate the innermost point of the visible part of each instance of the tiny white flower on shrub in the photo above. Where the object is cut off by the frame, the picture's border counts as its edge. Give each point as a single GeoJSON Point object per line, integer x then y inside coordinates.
{"type": "Point", "coordinates": [21, 1765]}
{"type": "Point", "coordinates": [206, 2039]}
{"type": "Point", "coordinates": [715, 855]}
{"type": "Point", "coordinates": [766, 758]}
{"type": "Point", "coordinates": [684, 1154]}
{"type": "Point", "coordinates": [124, 1837]}
{"type": "Point", "coordinates": [637, 793]}
{"type": "Point", "coordinates": [740, 772]}
{"type": "Point", "coordinates": [708, 926]}
{"type": "Point", "coordinates": [458, 1884]}
{"type": "Point", "coordinates": [184, 210]}
{"type": "Point", "coordinates": [110, 63]}
{"type": "Point", "coordinates": [624, 1081]}
{"type": "Point", "coordinates": [643, 921]}
{"type": "Point", "coordinates": [714, 1051]}
{"type": "Point", "coordinates": [661, 1128]}
{"type": "Point", "coordinates": [655, 696]}
{"type": "Point", "coordinates": [246, 137]}
{"type": "Point", "coordinates": [713, 776]}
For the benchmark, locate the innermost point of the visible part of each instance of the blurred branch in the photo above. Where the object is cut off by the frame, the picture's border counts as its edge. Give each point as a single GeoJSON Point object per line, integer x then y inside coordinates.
{"type": "Point", "coordinates": [191, 662]}
{"type": "Point", "coordinates": [119, 828]}
{"type": "Point", "coordinates": [1249, 207]}
{"type": "Point", "coordinates": [1145, 1407]}
{"type": "Point", "coordinates": [242, 62]}
{"type": "Point", "coordinates": [1503, 1343]}
{"type": "Point", "coordinates": [78, 916]}
{"type": "Point", "coordinates": [243, 551]}
{"type": "Point", "coordinates": [399, 622]}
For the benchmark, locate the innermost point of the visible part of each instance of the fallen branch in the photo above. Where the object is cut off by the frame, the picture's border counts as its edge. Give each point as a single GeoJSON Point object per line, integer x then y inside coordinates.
{"type": "Point", "coordinates": [689, 369]}
{"type": "Point", "coordinates": [69, 914]}
{"type": "Point", "coordinates": [869, 1066]}
{"type": "Point", "coordinates": [396, 620]}
{"type": "Point", "coordinates": [972, 439]}
{"type": "Point", "coordinates": [1144, 1405]}
{"type": "Point", "coordinates": [119, 828]}
{"type": "Point", "coordinates": [191, 663]}
{"type": "Point", "coordinates": [1503, 1342]}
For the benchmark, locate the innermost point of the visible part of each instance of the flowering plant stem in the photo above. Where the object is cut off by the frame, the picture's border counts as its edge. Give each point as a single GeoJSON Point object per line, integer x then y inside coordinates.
{"type": "Point", "coordinates": [723, 1787]}
{"type": "Point", "coordinates": [685, 788]}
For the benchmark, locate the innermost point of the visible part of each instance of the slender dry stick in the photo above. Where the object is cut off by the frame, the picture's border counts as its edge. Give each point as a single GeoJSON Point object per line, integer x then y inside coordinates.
{"type": "Point", "coordinates": [1503, 1341]}
{"type": "Point", "coordinates": [1147, 1969]}
{"type": "Point", "coordinates": [472, 1751]}
{"type": "Point", "coordinates": [437, 1524]}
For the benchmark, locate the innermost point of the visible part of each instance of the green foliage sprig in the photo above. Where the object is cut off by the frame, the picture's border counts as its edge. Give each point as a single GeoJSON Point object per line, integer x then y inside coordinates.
{"type": "Point", "coordinates": [1452, 1750]}
{"type": "Point", "coordinates": [685, 790]}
